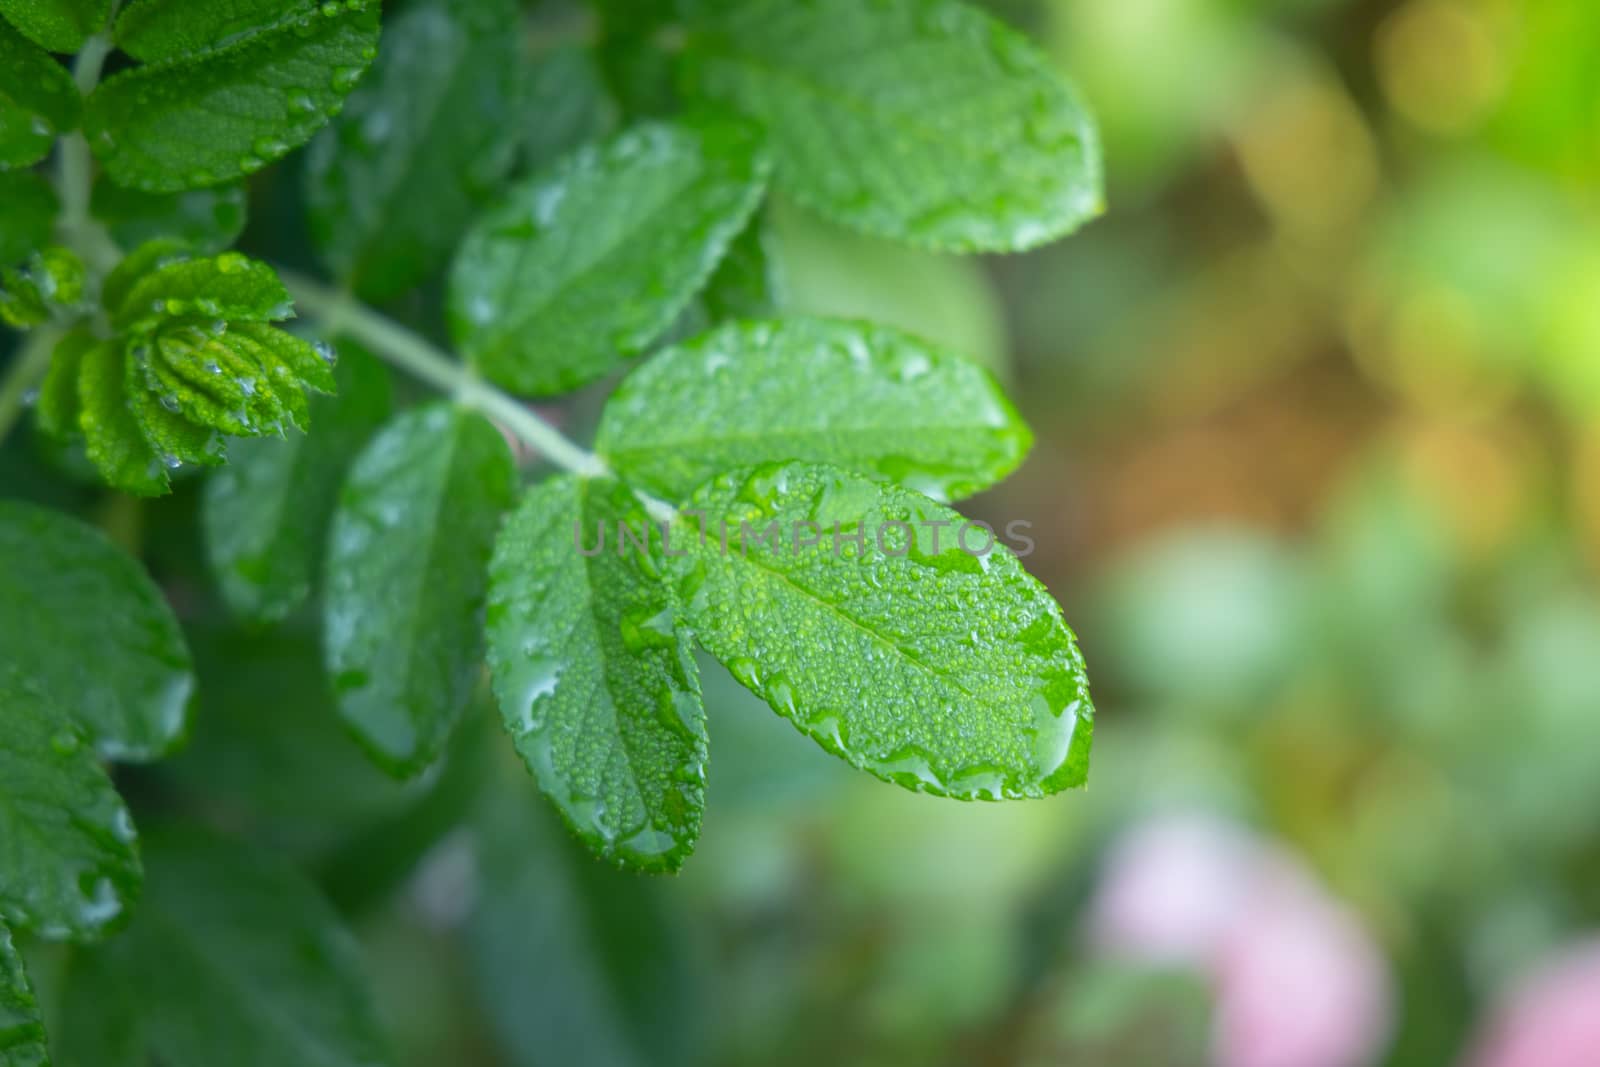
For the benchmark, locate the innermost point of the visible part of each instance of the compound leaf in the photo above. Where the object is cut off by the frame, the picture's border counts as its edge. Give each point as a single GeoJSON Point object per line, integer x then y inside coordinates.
{"type": "Point", "coordinates": [68, 865]}
{"type": "Point", "coordinates": [589, 261]}
{"type": "Point", "coordinates": [405, 578]}
{"type": "Point", "coordinates": [66, 593]}
{"type": "Point", "coordinates": [232, 957]}
{"type": "Point", "coordinates": [38, 100]}
{"type": "Point", "coordinates": [266, 513]}
{"type": "Point", "coordinates": [922, 652]}
{"type": "Point", "coordinates": [57, 25]}
{"type": "Point", "coordinates": [22, 1042]}
{"type": "Point", "coordinates": [421, 145]}
{"type": "Point", "coordinates": [858, 396]}
{"type": "Point", "coordinates": [922, 120]}
{"type": "Point", "coordinates": [212, 116]}
{"type": "Point", "coordinates": [596, 684]}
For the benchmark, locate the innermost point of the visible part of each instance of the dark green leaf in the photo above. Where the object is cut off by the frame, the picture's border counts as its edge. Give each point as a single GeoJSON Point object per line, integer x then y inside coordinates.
{"type": "Point", "coordinates": [68, 863]}
{"type": "Point", "coordinates": [921, 120]}
{"type": "Point", "coordinates": [405, 579]}
{"type": "Point", "coordinates": [268, 753]}
{"type": "Point", "coordinates": [565, 105]}
{"type": "Point", "coordinates": [67, 593]}
{"type": "Point", "coordinates": [21, 1031]}
{"type": "Point", "coordinates": [38, 100]}
{"type": "Point", "coordinates": [27, 214]}
{"type": "Point", "coordinates": [98, 1024]}
{"type": "Point", "coordinates": [941, 669]}
{"type": "Point", "coordinates": [266, 513]}
{"type": "Point", "coordinates": [154, 30]}
{"type": "Point", "coordinates": [588, 262]}
{"type": "Point", "coordinates": [209, 220]}
{"type": "Point", "coordinates": [745, 284]}
{"type": "Point", "coordinates": [863, 397]}
{"type": "Point", "coordinates": [233, 958]}
{"type": "Point", "coordinates": [576, 963]}
{"type": "Point", "coordinates": [422, 144]}
{"type": "Point", "coordinates": [112, 436]}
{"type": "Point", "coordinates": [209, 118]}
{"type": "Point", "coordinates": [596, 684]}
{"type": "Point", "coordinates": [57, 25]}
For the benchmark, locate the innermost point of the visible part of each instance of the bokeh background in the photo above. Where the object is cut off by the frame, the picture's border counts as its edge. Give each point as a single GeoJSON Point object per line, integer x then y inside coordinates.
{"type": "Point", "coordinates": [1317, 482]}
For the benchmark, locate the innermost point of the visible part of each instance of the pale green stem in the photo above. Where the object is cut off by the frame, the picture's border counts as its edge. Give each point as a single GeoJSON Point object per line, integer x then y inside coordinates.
{"type": "Point", "coordinates": [75, 171]}
{"type": "Point", "coordinates": [27, 371]}
{"type": "Point", "coordinates": [340, 313]}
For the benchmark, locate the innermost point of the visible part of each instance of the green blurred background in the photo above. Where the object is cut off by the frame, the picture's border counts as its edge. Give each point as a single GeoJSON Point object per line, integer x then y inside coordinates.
{"type": "Point", "coordinates": [1317, 483]}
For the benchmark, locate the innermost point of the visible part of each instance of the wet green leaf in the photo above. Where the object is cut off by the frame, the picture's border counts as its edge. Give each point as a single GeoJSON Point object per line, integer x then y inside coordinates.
{"type": "Point", "coordinates": [112, 435]}
{"type": "Point", "coordinates": [209, 220]}
{"type": "Point", "coordinates": [230, 286]}
{"type": "Point", "coordinates": [22, 1042]}
{"type": "Point", "coordinates": [597, 685]}
{"type": "Point", "coordinates": [862, 397]}
{"type": "Point", "coordinates": [27, 214]}
{"type": "Point", "coordinates": [56, 411]}
{"type": "Point", "coordinates": [746, 284]}
{"type": "Point", "coordinates": [65, 593]}
{"type": "Point", "coordinates": [405, 578]}
{"type": "Point", "coordinates": [38, 100]}
{"type": "Point", "coordinates": [70, 866]}
{"type": "Point", "coordinates": [266, 513]}
{"type": "Point", "coordinates": [589, 261]}
{"type": "Point", "coordinates": [943, 668]}
{"type": "Point", "coordinates": [210, 116]}
{"type": "Point", "coordinates": [255, 969]}
{"type": "Point", "coordinates": [51, 283]}
{"type": "Point", "coordinates": [922, 120]}
{"type": "Point", "coordinates": [154, 30]}
{"type": "Point", "coordinates": [421, 146]}
{"type": "Point", "coordinates": [565, 104]}
{"type": "Point", "coordinates": [57, 25]}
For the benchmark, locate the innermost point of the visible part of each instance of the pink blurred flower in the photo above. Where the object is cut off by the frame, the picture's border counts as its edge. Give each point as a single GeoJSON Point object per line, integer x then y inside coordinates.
{"type": "Point", "coordinates": [1551, 1018]}
{"type": "Point", "coordinates": [1298, 980]}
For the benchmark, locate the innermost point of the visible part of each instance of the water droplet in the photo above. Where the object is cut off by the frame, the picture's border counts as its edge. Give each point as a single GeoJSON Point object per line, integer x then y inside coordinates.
{"type": "Point", "coordinates": [326, 352]}
{"type": "Point", "coordinates": [30, 398]}
{"type": "Point", "coordinates": [344, 79]}
{"type": "Point", "coordinates": [171, 462]}
{"type": "Point", "coordinates": [302, 105]}
{"type": "Point", "coordinates": [170, 402]}
{"type": "Point", "coordinates": [41, 126]}
{"type": "Point", "coordinates": [269, 148]}
{"type": "Point", "coordinates": [65, 743]}
{"type": "Point", "coordinates": [232, 262]}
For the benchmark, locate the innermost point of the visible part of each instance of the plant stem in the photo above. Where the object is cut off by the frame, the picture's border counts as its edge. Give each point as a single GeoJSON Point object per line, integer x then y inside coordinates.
{"type": "Point", "coordinates": [75, 171]}
{"type": "Point", "coordinates": [339, 312]}
{"type": "Point", "coordinates": [27, 371]}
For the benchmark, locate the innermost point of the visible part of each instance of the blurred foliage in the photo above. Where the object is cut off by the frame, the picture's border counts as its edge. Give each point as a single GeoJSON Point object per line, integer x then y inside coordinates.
{"type": "Point", "coordinates": [1318, 478]}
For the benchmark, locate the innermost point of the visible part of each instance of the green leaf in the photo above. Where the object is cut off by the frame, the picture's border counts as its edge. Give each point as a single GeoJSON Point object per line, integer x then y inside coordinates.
{"type": "Point", "coordinates": [27, 214]}
{"type": "Point", "coordinates": [405, 578]}
{"type": "Point", "coordinates": [52, 281]}
{"type": "Point", "coordinates": [38, 100]}
{"type": "Point", "coordinates": [22, 1042]}
{"type": "Point", "coordinates": [255, 969]}
{"type": "Point", "coordinates": [588, 262]}
{"type": "Point", "coordinates": [154, 30]}
{"type": "Point", "coordinates": [230, 286]}
{"type": "Point", "coordinates": [565, 105]}
{"type": "Point", "coordinates": [209, 220]}
{"type": "Point", "coordinates": [394, 182]}
{"type": "Point", "coordinates": [745, 284]}
{"type": "Point", "coordinates": [213, 116]}
{"type": "Point", "coordinates": [940, 669]}
{"type": "Point", "coordinates": [863, 397]}
{"type": "Point", "coordinates": [70, 867]}
{"type": "Point", "coordinates": [98, 1023]}
{"type": "Point", "coordinates": [922, 120]}
{"type": "Point", "coordinates": [152, 255]}
{"type": "Point", "coordinates": [112, 435]}
{"type": "Point", "coordinates": [56, 410]}
{"type": "Point", "coordinates": [554, 942]}
{"type": "Point", "coordinates": [597, 686]}
{"type": "Point", "coordinates": [57, 25]}
{"type": "Point", "coordinates": [66, 593]}
{"type": "Point", "coordinates": [174, 438]}
{"type": "Point", "coordinates": [266, 513]}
